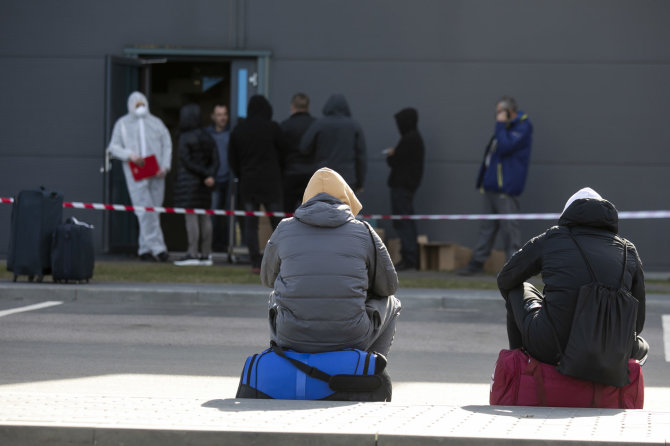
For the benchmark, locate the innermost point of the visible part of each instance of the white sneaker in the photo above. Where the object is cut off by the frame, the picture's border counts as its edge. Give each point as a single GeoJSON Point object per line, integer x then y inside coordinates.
{"type": "Point", "coordinates": [187, 260]}
{"type": "Point", "coordinates": [206, 261]}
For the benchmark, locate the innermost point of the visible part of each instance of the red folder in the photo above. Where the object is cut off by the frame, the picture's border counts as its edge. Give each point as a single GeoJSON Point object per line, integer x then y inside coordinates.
{"type": "Point", "coordinates": [150, 168]}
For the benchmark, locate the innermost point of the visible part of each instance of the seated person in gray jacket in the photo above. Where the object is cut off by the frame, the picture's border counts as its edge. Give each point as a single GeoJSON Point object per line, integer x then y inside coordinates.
{"type": "Point", "coordinates": [332, 277]}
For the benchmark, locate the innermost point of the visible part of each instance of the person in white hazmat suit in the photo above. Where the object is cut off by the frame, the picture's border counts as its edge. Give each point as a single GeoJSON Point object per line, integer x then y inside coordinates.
{"type": "Point", "coordinates": [137, 135]}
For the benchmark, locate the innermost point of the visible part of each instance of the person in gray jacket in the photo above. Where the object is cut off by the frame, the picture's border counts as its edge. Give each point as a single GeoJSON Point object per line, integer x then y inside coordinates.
{"type": "Point", "coordinates": [333, 280]}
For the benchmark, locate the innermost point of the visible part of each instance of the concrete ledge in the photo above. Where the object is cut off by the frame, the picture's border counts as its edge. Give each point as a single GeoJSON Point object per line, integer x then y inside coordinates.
{"type": "Point", "coordinates": [98, 420]}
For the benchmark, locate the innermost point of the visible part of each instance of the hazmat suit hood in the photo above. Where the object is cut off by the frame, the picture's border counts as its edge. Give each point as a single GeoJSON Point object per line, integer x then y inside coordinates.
{"type": "Point", "coordinates": [189, 117]}
{"type": "Point", "coordinates": [587, 208]}
{"type": "Point", "coordinates": [326, 183]}
{"type": "Point", "coordinates": [407, 120]}
{"type": "Point", "coordinates": [133, 99]}
{"type": "Point", "coordinates": [336, 105]}
{"type": "Point", "coordinates": [259, 107]}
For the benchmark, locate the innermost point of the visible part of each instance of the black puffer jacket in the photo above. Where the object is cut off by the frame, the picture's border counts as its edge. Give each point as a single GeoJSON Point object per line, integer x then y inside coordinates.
{"type": "Point", "coordinates": [198, 159]}
{"type": "Point", "coordinates": [407, 160]}
{"type": "Point", "coordinates": [594, 223]}
{"type": "Point", "coordinates": [253, 153]}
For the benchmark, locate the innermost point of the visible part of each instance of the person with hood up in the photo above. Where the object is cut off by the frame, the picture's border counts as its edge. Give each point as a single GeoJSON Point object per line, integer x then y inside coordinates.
{"type": "Point", "coordinates": [253, 156]}
{"type": "Point", "coordinates": [198, 165]}
{"type": "Point", "coordinates": [135, 136]}
{"type": "Point", "coordinates": [337, 141]}
{"type": "Point", "coordinates": [332, 278]}
{"type": "Point", "coordinates": [406, 162]}
{"type": "Point", "coordinates": [593, 221]}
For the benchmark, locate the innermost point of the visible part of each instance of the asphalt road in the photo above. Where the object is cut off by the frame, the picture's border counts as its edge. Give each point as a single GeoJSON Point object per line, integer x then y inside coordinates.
{"type": "Point", "coordinates": [440, 355]}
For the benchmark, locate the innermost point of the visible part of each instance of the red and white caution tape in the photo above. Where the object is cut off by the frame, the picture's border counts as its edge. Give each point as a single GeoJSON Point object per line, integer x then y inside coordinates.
{"type": "Point", "coordinates": [163, 210]}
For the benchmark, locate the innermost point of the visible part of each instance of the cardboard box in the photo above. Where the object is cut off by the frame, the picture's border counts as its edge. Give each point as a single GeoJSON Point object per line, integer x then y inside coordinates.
{"type": "Point", "coordinates": [495, 262]}
{"type": "Point", "coordinates": [443, 256]}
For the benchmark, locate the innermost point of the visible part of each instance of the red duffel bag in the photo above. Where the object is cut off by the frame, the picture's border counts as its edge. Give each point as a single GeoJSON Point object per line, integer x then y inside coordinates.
{"type": "Point", "coordinates": [520, 380]}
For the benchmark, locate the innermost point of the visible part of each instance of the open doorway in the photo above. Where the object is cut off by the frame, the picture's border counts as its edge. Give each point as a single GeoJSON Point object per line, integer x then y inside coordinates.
{"type": "Point", "coordinates": [172, 85]}
{"type": "Point", "coordinates": [171, 79]}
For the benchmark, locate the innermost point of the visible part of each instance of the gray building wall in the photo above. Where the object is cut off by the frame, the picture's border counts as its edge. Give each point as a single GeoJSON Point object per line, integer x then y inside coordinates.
{"type": "Point", "coordinates": [591, 75]}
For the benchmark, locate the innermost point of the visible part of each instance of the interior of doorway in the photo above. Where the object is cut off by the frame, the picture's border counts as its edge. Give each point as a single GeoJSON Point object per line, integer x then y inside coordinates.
{"type": "Point", "coordinates": [172, 85]}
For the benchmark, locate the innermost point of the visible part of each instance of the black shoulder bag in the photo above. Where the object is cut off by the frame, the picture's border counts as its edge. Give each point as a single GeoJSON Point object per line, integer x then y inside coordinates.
{"type": "Point", "coordinates": [603, 331]}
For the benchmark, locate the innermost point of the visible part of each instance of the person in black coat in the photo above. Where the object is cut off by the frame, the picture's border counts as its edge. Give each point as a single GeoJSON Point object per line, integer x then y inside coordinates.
{"type": "Point", "coordinates": [593, 222]}
{"type": "Point", "coordinates": [337, 142]}
{"type": "Point", "coordinates": [297, 168]}
{"type": "Point", "coordinates": [198, 163]}
{"type": "Point", "coordinates": [406, 162]}
{"type": "Point", "coordinates": [253, 156]}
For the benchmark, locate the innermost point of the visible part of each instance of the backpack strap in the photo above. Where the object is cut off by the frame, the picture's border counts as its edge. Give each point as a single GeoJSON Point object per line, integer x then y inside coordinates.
{"type": "Point", "coordinates": [593, 276]}
{"type": "Point", "coordinates": [625, 261]}
{"type": "Point", "coordinates": [588, 265]}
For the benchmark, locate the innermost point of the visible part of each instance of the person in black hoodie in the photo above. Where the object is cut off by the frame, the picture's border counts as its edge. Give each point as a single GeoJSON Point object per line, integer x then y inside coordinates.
{"type": "Point", "coordinates": [198, 163]}
{"type": "Point", "coordinates": [593, 221]}
{"type": "Point", "coordinates": [297, 168]}
{"type": "Point", "coordinates": [337, 142]}
{"type": "Point", "coordinates": [253, 156]}
{"type": "Point", "coordinates": [406, 162]}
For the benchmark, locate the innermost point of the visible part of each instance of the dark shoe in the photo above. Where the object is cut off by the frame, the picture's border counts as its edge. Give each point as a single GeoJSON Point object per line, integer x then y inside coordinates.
{"type": "Point", "coordinates": [470, 270]}
{"type": "Point", "coordinates": [404, 266]}
{"type": "Point", "coordinates": [187, 260]}
{"type": "Point", "coordinates": [147, 257]}
{"type": "Point", "coordinates": [163, 256]}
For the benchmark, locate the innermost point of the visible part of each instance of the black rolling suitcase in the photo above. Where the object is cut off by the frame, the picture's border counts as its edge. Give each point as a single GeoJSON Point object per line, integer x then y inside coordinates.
{"type": "Point", "coordinates": [35, 216]}
{"type": "Point", "coordinates": [72, 253]}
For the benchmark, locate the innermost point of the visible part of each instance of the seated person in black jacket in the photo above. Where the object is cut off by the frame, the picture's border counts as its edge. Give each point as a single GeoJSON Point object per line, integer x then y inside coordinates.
{"type": "Point", "coordinates": [593, 221]}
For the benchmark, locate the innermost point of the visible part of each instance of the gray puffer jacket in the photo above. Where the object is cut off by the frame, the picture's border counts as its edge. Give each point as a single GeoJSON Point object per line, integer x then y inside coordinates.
{"type": "Point", "coordinates": [320, 264]}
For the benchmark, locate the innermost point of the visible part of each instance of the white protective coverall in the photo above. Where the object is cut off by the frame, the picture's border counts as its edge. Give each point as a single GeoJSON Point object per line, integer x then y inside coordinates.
{"type": "Point", "coordinates": [143, 135]}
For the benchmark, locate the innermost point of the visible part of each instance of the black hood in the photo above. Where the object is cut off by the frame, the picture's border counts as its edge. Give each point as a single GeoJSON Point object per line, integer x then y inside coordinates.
{"type": "Point", "coordinates": [259, 107]}
{"type": "Point", "coordinates": [189, 117]}
{"type": "Point", "coordinates": [591, 212]}
{"type": "Point", "coordinates": [407, 120]}
{"type": "Point", "coordinates": [336, 105]}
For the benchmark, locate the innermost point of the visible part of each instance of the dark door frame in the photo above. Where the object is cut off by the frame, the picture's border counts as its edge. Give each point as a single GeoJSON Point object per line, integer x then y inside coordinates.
{"type": "Point", "coordinates": [262, 59]}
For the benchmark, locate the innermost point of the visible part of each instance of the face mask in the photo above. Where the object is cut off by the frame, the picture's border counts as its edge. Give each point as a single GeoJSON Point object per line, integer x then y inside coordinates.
{"type": "Point", "coordinates": [141, 110]}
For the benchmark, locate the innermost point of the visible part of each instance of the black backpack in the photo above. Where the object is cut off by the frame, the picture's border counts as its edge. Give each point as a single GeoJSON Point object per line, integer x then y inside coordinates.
{"type": "Point", "coordinates": [603, 331]}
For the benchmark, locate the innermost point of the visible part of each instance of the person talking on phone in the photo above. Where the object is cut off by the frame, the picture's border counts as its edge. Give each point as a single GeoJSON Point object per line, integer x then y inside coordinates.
{"type": "Point", "coordinates": [501, 179]}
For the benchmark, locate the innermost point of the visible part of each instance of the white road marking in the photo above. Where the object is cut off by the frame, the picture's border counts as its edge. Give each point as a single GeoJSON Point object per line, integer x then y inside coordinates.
{"type": "Point", "coordinates": [48, 304]}
{"type": "Point", "coordinates": [666, 336]}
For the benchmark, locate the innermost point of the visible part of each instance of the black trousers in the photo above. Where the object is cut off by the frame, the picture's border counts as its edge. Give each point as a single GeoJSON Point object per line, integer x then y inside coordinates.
{"type": "Point", "coordinates": [528, 327]}
{"type": "Point", "coordinates": [251, 228]}
{"type": "Point", "coordinates": [402, 203]}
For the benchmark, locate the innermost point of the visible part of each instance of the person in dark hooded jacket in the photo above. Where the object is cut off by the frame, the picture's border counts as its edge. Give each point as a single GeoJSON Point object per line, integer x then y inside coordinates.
{"type": "Point", "coordinates": [593, 222]}
{"type": "Point", "coordinates": [406, 162]}
{"type": "Point", "coordinates": [253, 156]}
{"type": "Point", "coordinates": [198, 163]}
{"type": "Point", "coordinates": [337, 142]}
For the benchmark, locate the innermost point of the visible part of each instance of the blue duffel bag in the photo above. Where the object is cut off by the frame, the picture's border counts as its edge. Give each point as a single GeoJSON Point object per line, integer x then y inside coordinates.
{"type": "Point", "coordinates": [343, 375]}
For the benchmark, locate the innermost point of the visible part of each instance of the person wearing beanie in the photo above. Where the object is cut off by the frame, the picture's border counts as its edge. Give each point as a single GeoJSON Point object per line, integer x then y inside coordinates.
{"type": "Point", "coordinates": [536, 319]}
{"type": "Point", "coordinates": [332, 278]}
